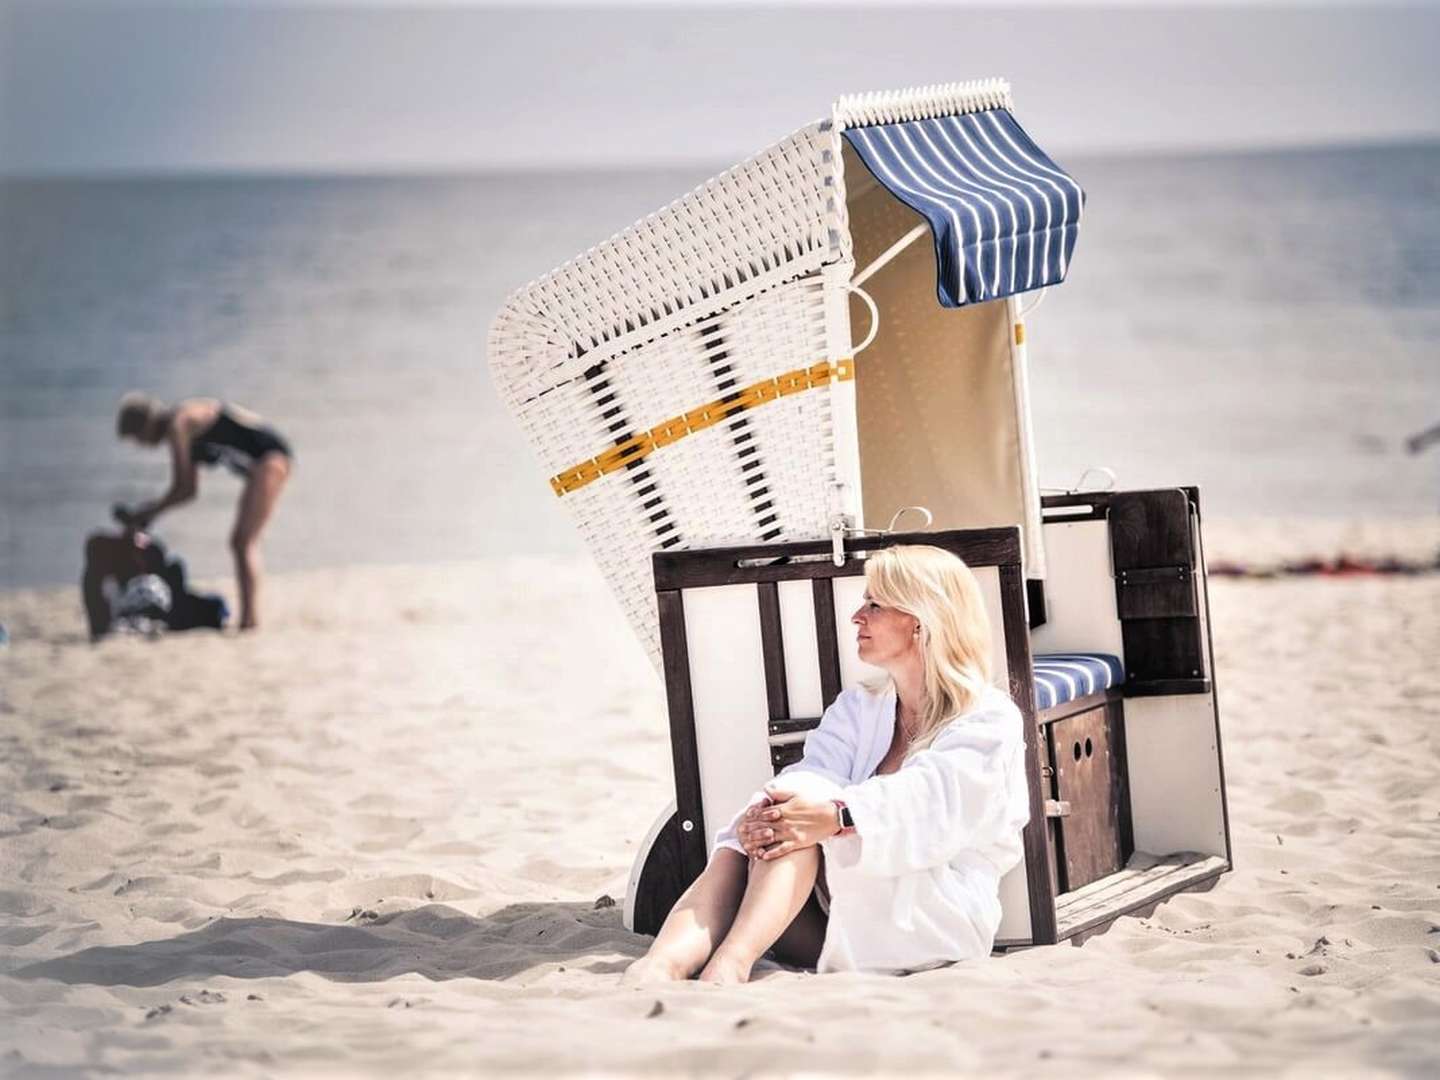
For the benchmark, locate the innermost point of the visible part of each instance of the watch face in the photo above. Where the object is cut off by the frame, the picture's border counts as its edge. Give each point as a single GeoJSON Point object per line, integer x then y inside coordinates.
{"type": "Point", "coordinates": [845, 819]}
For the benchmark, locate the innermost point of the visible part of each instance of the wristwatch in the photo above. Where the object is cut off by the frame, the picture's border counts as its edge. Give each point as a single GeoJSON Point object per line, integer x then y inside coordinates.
{"type": "Point", "coordinates": [842, 813]}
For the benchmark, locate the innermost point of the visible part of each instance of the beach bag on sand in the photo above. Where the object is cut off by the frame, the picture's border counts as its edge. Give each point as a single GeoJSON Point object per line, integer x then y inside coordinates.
{"type": "Point", "coordinates": [132, 585]}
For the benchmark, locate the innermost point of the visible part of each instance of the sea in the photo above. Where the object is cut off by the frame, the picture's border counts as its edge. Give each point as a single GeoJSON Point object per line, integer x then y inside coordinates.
{"type": "Point", "coordinates": [1263, 325]}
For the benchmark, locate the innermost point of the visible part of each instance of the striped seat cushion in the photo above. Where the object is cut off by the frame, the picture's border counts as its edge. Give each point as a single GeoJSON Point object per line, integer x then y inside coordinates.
{"type": "Point", "coordinates": [1062, 677]}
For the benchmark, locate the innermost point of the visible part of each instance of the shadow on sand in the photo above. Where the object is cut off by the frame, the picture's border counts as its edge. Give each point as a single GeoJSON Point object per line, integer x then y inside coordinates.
{"type": "Point", "coordinates": [435, 941]}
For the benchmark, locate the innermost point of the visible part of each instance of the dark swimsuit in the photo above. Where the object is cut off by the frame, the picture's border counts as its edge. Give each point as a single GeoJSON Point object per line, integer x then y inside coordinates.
{"type": "Point", "coordinates": [237, 444]}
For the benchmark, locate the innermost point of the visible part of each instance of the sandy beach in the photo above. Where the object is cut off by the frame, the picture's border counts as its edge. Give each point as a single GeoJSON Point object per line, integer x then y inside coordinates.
{"type": "Point", "coordinates": [391, 833]}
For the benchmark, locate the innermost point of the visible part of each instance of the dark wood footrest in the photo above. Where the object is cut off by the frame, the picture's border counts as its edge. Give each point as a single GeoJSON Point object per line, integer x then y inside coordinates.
{"type": "Point", "coordinates": [1145, 879]}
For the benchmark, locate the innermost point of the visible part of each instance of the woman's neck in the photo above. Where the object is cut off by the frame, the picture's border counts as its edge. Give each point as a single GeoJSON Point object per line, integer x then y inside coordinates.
{"type": "Point", "coordinates": [909, 693]}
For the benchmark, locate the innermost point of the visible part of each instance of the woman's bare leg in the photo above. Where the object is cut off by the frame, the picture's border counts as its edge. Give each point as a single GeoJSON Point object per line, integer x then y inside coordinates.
{"type": "Point", "coordinates": [774, 894]}
{"type": "Point", "coordinates": [696, 924]}
{"type": "Point", "coordinates": [262, 489]}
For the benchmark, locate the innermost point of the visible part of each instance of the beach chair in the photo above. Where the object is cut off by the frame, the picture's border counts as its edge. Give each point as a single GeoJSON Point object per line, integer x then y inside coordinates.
{"type": "Point", "coordinates": [703, 404]}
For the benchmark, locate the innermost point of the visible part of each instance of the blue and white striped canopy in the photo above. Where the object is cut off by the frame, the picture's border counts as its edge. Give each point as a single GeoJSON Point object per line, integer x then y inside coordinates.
{"type": "Point", "coordinates": [1004, 215]}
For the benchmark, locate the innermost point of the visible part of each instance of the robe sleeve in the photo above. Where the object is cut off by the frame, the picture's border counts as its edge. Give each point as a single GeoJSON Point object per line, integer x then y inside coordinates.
{"type": "Point", "coordinates": [830, 751]}
{"type": "Point", "coordinates": [954, 795]}
{"type": "Point", "coordinates": [832, 746]}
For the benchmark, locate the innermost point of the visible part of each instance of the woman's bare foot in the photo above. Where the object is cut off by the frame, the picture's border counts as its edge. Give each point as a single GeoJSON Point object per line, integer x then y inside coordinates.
{"type": "Point", "coordinates": [727, 969]}
{"type": "Point", "coordinates": [649, 970]}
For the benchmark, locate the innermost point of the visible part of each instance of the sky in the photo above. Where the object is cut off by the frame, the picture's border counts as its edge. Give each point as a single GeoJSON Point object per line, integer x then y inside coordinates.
{"type": "Point", "coordinates": [117, 87]}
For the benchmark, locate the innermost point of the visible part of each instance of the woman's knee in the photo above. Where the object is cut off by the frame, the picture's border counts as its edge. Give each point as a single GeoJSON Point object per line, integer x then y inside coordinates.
{"type": "Point", "coordinates": [242, 543]}
{"type": "Point", "coordinates": [804, 856]}
{"type": "Point", "coordinates": [802, 863]}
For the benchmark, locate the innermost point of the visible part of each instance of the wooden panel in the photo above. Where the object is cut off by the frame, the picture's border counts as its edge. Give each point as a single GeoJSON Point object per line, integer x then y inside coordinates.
{"type": "Point", "coordinates": [1172, 755]}
{"type": "Point", "coordinates": [802, 668]}
{"type": "Point", "coordinates": [1015, 928]}
{"type": "Point", "coordinates": [1162, 649]}
{"type": "Point", "coordinates": [772, 644]}
{"type": "Point", "coordinates": [675, 656]}
{"type": "Point", "coordinates": [1079, 592]}
{"type": "Point", "coordinates": [991, 588]}
{"type": "Point", "coordinates": [728, 699]}
{"type": "Point", "coordinates": [1089, 775]}
{"type": "Point", "coordinates": [825, 643]}
{"type": "Point", "coordinates": [1150, 528]}
{"type": "Point", "coordinates": [1153, 557]}
{"type": "Point", "coordinates": [1155, 593]}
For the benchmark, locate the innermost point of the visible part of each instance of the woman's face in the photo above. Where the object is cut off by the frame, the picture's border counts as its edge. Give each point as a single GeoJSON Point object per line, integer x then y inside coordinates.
{"type": "Point", "coordinates": [884, 634]}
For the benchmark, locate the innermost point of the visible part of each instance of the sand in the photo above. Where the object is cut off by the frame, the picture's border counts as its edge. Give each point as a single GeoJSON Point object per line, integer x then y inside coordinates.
{"type": "Point", "coordinates": [384, 834]}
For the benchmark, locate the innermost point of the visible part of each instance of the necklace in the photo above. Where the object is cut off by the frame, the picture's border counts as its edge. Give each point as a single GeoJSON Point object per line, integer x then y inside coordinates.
{"type": "Point", "coordinates": [906, 732]}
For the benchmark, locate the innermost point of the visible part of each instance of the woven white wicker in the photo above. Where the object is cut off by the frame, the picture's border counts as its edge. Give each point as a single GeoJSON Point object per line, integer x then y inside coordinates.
{"type": "Point", "coordinates": [686, 382]}
{"type": "Point", "coordinates": [921, 102]}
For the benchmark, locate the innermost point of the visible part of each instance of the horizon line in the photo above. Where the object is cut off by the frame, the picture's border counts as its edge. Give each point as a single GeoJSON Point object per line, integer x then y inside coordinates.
{"type": "Point", "coordinates": [478, 170]}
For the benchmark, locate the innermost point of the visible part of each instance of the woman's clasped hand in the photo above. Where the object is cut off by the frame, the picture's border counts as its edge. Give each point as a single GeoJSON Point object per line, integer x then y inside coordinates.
{"type": "Point", "coordinates": [786, 822]}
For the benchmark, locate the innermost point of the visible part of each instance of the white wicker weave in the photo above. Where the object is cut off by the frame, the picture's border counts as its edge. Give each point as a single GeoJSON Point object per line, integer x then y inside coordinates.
{"type": "Point", "coordinates": [921, 102]}
{"type": "Point", "coordinates": [741, 281]}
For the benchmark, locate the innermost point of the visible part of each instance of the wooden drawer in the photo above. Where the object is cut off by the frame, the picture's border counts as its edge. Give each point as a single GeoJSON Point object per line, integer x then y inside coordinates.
{"type": "Point", "coordinates": [1087, 761]}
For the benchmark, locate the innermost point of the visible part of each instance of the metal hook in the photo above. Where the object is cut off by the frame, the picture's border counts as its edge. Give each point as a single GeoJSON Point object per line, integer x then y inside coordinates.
{"type": "Point", "coordinates": [929, 518]}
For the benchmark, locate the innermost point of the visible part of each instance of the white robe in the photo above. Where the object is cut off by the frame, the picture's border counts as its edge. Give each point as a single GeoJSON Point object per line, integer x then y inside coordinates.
{"type": "Point", "coordinates": [917, 884]}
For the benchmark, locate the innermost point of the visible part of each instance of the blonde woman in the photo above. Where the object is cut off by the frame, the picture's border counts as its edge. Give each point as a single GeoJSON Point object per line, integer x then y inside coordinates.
{"type": "Point", "coordinates": [203, 431]}
{"type": "Point", "coordinates": [883, 848]}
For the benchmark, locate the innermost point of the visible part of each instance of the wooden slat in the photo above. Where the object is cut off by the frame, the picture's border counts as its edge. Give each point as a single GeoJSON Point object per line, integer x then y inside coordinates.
{"type": "Point", "coordinates": [1149, 529]}
{"type": "Point", "coordinates": [1115, 714]}
{"type": "Point", "coordinates": [1210, 667]}
{"type": "Point", "coordinates": [772, 648]}
{"type": "Point", "coordinates": [1166, 687]}
{"type": "Point", "coordinates": [780, 756]}
{"type": "Point", "coordinates": [1142, 868]}
{"type": "Point", "coordinates": [1096, 504]}
{"type": "Point", "coordinates": [1162, 649]}
{"type": "Point", "coordinates": [827, 643]}
{"type": "Point", "coordinates": [783, 725]}
{"type": "Point", "coordinates": [1129, 890]}
{"type": "Point", "coordinates": [1035, 602]}
{"type": "Point", "coordinates": [1076, 705]}
{"type": "Point", "coordinates": [718, 566]}
{"type": "Point", "coordinates": [1156, 593]}
{"type": "Point", "coordinates": [685, 757]}
{"type": "Point", "coordinates": [1039, 870]}
{"type": "Point", "coordinates": [790, 738]}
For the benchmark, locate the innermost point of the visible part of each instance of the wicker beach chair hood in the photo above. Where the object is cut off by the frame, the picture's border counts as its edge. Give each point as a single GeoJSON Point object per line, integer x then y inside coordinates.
{"type": "Point", "coordinates": [693, 381]}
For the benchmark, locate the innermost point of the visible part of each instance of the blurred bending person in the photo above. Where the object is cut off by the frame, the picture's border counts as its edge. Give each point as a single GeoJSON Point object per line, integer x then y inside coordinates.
{"type": "Point", "coordinates": [203, 431]}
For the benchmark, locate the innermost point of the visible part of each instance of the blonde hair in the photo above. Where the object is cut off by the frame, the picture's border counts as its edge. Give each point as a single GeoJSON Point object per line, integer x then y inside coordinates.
{"type": "Point", "coordinates": [136, 413]}
{"type": "Point", "coordinates": [940, 591]}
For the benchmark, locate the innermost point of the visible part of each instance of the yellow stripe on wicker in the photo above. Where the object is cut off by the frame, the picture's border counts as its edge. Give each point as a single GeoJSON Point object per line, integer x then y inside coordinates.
{"type": "Point", "coordinates": [638, 447]}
